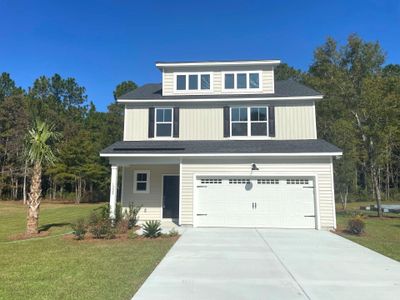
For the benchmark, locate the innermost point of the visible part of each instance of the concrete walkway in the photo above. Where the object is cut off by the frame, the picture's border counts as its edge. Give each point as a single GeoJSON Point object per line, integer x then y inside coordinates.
{"type": "Point", "coordinates": [227, 263]}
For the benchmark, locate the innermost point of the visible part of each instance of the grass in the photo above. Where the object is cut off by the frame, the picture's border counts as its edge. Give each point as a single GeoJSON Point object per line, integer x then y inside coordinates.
{"type": "Point", "coordinates": [58, 268]}
{"type": "Point", "coordinates": [381, 234]}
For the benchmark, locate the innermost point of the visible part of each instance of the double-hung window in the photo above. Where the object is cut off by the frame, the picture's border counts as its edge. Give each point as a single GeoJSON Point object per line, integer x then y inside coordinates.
{"type": "Point", "coordinates": [163, 123]}
{"type": "Point", "coordinates": [258, 119]}
{"type": "Point", "coordinates": [242, 81]}
{"type": "Point", "coordinates": [193, 82]}
{"type": "Point", "coordinates": [239, 121]}
{"type": "Point", "coordinates": [141, 182]}
{"type": "Point", "coordinates": [249, 121]}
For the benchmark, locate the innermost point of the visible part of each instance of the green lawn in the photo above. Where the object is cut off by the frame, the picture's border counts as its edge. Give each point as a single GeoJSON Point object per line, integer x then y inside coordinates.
{"type": "Point", "coordinates": [381, 234]}
{"type": "Point", "coordinates": [57, 268]}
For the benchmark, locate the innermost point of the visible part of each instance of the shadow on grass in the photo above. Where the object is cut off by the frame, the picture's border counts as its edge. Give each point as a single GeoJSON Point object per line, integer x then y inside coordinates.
{"type": "Point", "coordinates": [46, 227]}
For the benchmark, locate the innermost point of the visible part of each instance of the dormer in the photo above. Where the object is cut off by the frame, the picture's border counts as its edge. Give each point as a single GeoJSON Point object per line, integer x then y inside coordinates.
{"type": "Point", "coordinates": [218, 77]}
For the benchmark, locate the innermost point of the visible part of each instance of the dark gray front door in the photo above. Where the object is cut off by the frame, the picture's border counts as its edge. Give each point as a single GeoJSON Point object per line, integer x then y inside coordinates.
{"type": "Point", "coordinates": [171, 196]}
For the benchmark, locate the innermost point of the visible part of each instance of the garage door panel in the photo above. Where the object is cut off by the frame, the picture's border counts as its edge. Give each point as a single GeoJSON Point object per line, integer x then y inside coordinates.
{"type": "Point", "coordinates": [255, 202]}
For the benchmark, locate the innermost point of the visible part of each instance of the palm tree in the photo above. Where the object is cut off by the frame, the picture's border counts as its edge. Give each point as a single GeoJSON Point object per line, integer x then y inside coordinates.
{"type": "Point", "coordinates": [39, 153]}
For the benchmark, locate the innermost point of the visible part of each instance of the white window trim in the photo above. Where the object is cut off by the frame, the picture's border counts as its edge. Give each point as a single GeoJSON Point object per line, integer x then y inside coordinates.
{"type": "Point", "coordinates": [249, 122]}
{"type": "Point", "coordinates": [156, 122]}
{"type": "Point", "coordinates": [147, 172]}
{"type": "Point", "coordinates": [246, 90]}
{"type": "Point", "coordinates": [198, 90]}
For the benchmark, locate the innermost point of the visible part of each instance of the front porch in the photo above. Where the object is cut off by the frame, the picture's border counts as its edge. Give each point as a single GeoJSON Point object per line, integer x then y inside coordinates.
{"type": "Point", "coordinates": [153, 186]}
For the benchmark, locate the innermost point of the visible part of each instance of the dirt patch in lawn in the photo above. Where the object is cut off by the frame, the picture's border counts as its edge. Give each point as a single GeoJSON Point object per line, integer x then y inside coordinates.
{"type": "Point", "coordinates": [25, 236]}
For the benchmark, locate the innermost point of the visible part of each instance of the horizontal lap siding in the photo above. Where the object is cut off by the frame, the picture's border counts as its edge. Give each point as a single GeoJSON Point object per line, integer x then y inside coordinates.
{"type": "Point", "coordinates": [319, 166]}
{"type": "Point", "coordinates": [150, 202]}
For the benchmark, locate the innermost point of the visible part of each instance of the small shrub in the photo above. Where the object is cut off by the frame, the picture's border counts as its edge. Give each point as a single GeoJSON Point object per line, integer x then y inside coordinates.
{"type": "Point", "coordinates": [152, 229]}
{"type": "Point", "coordinates": [104, 212]}
{"type": "Point", "coordinates": [132, 234]}
{"type": "Point", "coordinates": [79, 228]}
{"type": "Point", "coordinates": [122, 226]}
{"type": "Point", "coordinates": [356, 225]}
{"type": "Point", "coordinates": [94, 218]}
{"type": "Point", "coordinates": [131, 215]}
{"type": "Point", "coordinates": [173, 232]}
{"type": "Point", "coordinates": [102, 230]}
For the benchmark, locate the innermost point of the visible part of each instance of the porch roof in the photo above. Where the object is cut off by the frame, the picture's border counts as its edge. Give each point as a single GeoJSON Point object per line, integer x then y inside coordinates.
{"type": "Point", "coordinates": [218, 147]}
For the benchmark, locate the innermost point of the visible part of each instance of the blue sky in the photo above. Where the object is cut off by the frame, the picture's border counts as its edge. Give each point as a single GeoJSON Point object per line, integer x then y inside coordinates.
{"type": "Point", "coordinates": [102, 43]}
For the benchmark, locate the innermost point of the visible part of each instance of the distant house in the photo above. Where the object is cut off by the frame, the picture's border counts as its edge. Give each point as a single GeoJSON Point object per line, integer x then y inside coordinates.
{"type": "Point", "coordinates": [221, 143]}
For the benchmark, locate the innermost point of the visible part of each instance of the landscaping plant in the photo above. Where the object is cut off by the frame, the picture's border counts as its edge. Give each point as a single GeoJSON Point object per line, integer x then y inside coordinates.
{"type": "Point", "coordinates": [356, 225]}
{"type": "Point", "coordinates": [79, 228]}
{"type": "Point", "coordinates": [39, 154]}
{"type": "Point", "coordinates": [152, 229]}
{"type": "Point", "coordinates": [173, 232]}
{"type": "Point", "coordinates": [131, 215]}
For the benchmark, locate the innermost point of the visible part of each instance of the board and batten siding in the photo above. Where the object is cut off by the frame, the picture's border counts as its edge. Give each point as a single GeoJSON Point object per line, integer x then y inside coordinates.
{"type": "Point", "coordinates": [136, 123]}
{"type": "Point", "coordinates": [168, 89]}
{"type": "Point", "coordinates": [322, 167]}
{"type": "Point", "coordinates": [151, 207]}
{"type": "Point", "coordinates": [293, 121]}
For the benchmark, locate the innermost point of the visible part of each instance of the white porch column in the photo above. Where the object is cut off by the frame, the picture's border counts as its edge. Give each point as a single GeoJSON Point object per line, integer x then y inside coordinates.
{"type": "Point", "coordinates": [113, 191]}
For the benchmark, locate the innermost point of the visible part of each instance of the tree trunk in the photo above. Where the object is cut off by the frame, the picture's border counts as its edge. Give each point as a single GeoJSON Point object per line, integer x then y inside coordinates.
{"type": "Point", "coordinates": [387, 181]}
{"type": "Point", "coordinates": [32, 223]}
{"type": "Point", "coordinates": [24, 185]}
{"type": "Point", "coordinates": [344, 197]}
{"type": "Point", "coordinates": [377, 192]}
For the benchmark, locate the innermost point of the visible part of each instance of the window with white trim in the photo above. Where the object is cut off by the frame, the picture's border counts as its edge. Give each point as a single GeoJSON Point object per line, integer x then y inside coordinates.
{"type": "Point", "coordinates": [141, 181]}
{"type": "Point", "coordinates": [249, 121]}
{"type": "Point", "coordinates": [242, 81]}
{"type": "Point", "coordinates": [193, 82]}
{"type": "Point", "coordinates": [163, 122]}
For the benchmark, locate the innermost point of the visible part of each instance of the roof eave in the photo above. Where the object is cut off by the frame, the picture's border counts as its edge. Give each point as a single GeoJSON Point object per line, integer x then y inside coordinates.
{"type": "Point", "coordinates": [182, 99]}
{"type": "Point", "coordinates": [161, 65]}
{"type": "Point", "coordinates": [240, 155]}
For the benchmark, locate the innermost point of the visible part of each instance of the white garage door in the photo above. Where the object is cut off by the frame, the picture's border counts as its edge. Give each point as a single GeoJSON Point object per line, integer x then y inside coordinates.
{"type": "Point", "coordinates": [255, 202]}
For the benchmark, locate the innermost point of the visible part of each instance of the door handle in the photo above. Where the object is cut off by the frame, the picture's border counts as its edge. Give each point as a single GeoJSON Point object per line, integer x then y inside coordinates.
{"type": "Point", "coordinates": [252, 205]}
{"type": "Point", "coordinates": [255, 205]}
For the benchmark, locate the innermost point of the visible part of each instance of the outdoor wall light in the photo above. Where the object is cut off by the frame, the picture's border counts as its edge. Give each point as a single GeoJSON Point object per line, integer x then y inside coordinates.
{"type": "Point", "coordinates": [254, 167]}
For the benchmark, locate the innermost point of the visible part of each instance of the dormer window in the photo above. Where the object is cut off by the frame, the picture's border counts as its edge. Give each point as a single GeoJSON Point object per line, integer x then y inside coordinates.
{"type": "Point", "coordinates": [242, 81]}
{"type": "Point", "coordinates": [193, 82]}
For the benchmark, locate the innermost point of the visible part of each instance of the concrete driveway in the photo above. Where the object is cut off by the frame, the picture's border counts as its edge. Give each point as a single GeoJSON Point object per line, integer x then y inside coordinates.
{"type": "Point", "coordinates": [227, 263]}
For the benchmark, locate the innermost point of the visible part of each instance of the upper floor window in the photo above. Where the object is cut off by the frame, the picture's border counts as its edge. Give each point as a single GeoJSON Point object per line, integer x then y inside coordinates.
{"type": "Point", "coordinates": [193, 82]}
{"type": "Point", "coordinates": [242, 81]}
{"type": "Point", "coordinates": [164, 121]}
{"type": "Point", "coordinates": [249, 121]}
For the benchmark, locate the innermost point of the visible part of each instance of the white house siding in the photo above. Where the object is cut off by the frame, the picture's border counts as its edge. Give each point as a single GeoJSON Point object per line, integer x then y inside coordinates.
{"type": "Point", "coordinates": [205, 121]}
{"type": "Point", "coordinates": [295, 122]}
{"type": "Point", "coordinates": [136, 123]}
{"type": "Point", "coordinates": [201, 123]}
{"type": "Point", "coordinates": [217, 87]}
{"type": "Point", "coordinates": [150, 202]}
{"type": "Point", "coordinates": [267, 167]}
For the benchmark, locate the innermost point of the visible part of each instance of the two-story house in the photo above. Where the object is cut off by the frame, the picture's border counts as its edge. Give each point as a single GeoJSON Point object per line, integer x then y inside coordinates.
{"type": "Point", "coordinates": [221, 143]}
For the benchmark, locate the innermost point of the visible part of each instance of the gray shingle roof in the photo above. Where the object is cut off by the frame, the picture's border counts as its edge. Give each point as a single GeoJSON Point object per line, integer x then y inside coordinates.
{"type": "Point", "coordinates": [283, 88]}
{"type": "Point", "coordinates": [213, 147]}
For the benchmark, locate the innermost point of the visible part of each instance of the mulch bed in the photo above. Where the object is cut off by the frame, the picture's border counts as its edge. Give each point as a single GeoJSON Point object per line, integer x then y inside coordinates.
{"type": "Point", "coordinates": [119, 237]}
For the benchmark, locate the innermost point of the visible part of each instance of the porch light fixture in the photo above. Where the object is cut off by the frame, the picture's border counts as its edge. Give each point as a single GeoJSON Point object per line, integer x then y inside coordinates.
{"type": "Point", "coordinates": [254, 167]}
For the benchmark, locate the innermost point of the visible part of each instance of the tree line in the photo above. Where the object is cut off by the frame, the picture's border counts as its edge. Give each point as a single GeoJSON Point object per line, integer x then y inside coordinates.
{"type": "Point", "coordinates": [78, 172]}
{"type": "Point", "coordinates": [360, 113]}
